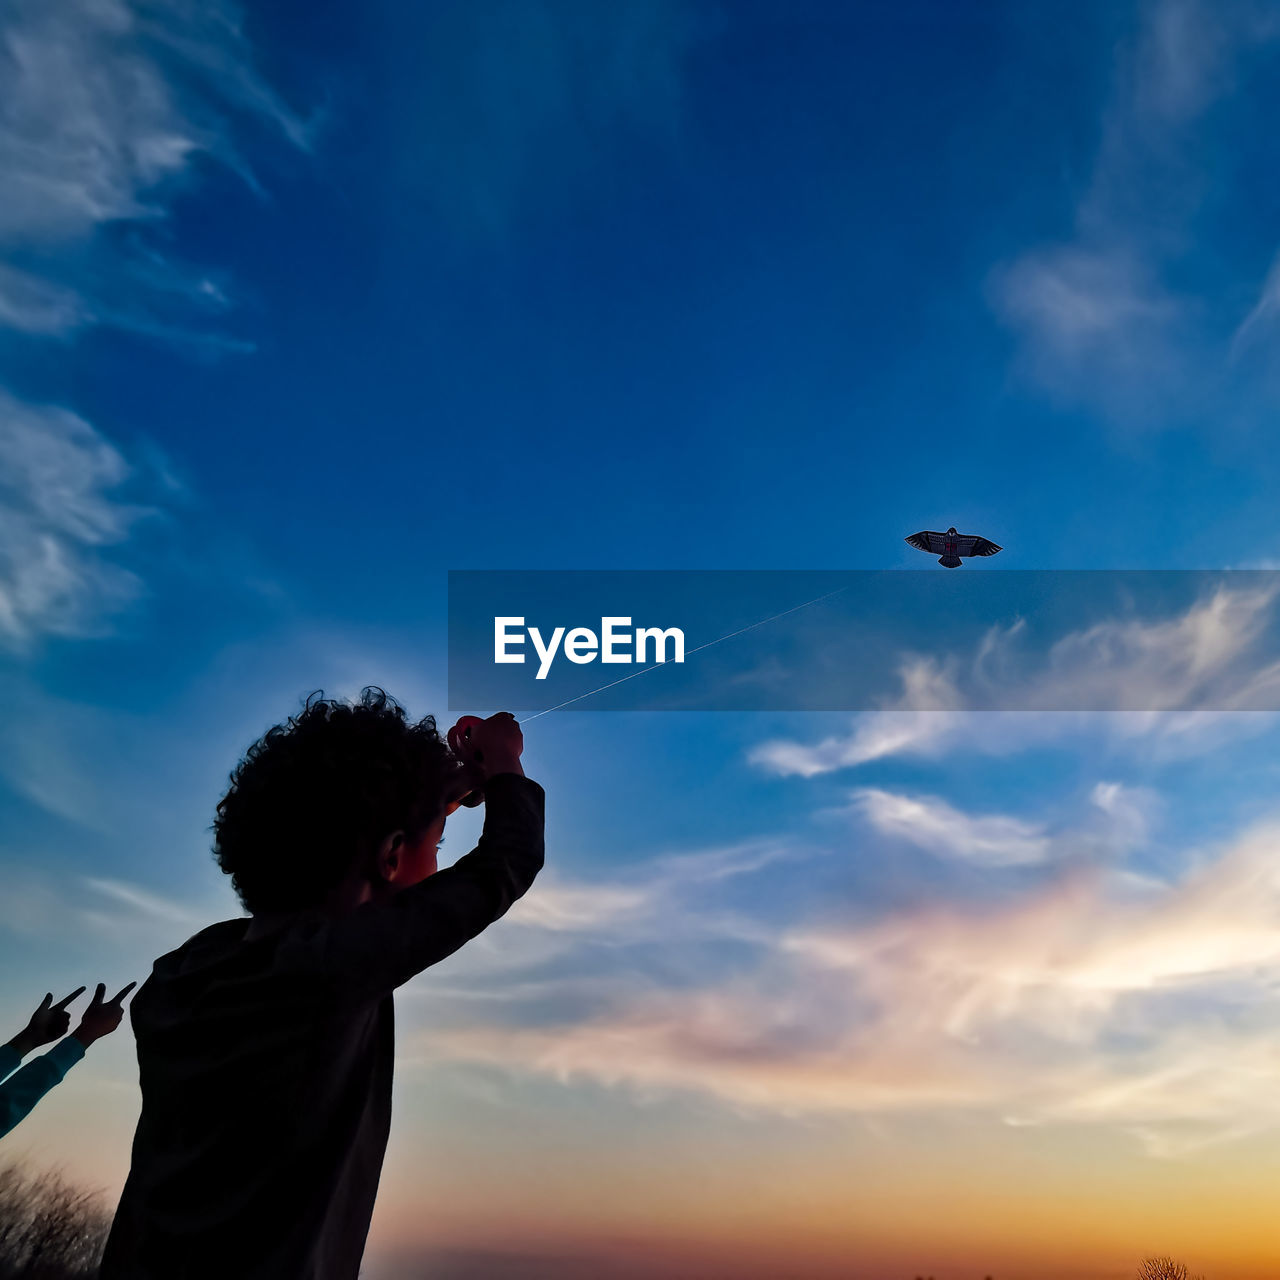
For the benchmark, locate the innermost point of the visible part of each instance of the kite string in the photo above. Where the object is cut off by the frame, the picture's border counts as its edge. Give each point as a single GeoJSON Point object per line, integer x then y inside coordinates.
{"type": "Point", "coordinates": [719, 640]}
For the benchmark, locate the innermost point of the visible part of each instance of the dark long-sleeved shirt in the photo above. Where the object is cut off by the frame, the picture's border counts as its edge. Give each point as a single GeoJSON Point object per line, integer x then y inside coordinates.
{"type": "Point", "coordinates": [27, 1085]}
{"type": "Point", "coordinates": [266, 1063]}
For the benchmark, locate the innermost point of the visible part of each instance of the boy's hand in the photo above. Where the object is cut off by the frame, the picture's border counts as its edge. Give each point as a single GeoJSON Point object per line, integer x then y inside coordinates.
{"type": "Point", "coordinates": [49, 1022]}
{"type": "Point", "coordinates": [101, 1018]}
{"type": "Point", "coordinates": [487, 747]}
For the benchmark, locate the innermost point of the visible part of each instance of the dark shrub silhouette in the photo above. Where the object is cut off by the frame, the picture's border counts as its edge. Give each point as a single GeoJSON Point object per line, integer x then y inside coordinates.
{"type": "Point", "coordinates": [49, 1229]}
{"type": "Point", "coordinates": [1164, 1268]}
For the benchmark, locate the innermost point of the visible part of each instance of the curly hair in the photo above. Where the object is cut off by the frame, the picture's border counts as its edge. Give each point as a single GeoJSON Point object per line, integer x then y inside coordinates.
{"type": "Point", "coordinates": [315, 795]}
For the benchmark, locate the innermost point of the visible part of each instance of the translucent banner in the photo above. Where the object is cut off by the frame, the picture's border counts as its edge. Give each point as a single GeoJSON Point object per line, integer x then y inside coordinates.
{"type": "Point", "coordinates": [945, 640]}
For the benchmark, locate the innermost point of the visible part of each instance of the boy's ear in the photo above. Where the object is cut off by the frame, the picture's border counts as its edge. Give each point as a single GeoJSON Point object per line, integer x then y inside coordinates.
{"type": "Point", "coordinates": [388, 855]}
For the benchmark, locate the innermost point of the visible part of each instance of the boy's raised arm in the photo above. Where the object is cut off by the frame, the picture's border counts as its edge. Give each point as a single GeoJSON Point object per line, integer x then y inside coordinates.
{"type": "Point", "coordinates": [381, 945]}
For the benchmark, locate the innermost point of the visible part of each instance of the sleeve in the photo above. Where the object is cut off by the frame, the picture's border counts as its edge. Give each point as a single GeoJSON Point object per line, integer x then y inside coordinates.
{"type": "Point", "coordinates": [379, 946]}
{"type": "Point", "coordinates": [29, 1084]}
{"type": "Point", "coordinates": [10, 1060]}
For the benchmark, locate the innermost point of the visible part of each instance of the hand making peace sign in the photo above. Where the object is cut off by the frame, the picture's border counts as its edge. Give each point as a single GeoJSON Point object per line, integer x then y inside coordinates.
{"type": "Point", "coordinates": [50, 1021]}
{"type": "Point", "coordinates": [101, 1018]}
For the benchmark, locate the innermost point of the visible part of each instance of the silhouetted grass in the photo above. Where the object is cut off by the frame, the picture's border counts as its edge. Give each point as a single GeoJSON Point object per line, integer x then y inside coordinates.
{"type": "Point", "coordinates": [49, 1230]}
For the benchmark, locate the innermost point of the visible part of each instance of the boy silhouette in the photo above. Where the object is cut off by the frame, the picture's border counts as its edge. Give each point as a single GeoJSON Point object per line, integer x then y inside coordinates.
{"type": "Point", "coordinates": [265, 1045]}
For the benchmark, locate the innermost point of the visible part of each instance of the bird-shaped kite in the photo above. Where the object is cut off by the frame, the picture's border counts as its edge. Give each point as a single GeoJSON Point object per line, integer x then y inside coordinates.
{"type": "Point", "coordinates": [950, 546]}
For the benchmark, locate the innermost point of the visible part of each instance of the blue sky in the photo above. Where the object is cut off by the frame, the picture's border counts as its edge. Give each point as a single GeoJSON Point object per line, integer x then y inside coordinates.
{"type": "Point", "coordinates": [304, 305]}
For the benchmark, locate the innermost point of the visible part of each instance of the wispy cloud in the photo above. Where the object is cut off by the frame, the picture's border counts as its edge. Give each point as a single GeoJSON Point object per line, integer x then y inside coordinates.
{"type": "Point", "coordinates": [995, 840]}
{"type": "Point", "coordinates": [1264, 311]}
{"type": "Point", "coordinates": [37, 306]}
{"type": "Point", "coordinates": [1102, 316]}
{"type": "Point", "coordinates": [1181, 679]}
{"type": "Point", "coordinates": [875, 736]}
{"type": "Point", "coordinates": [1096, 997]}
{"type": "Point", "coordinates": [1116, 821]}
{"type": "Point", "coordinates": [676, 899]}
{"type": "Point", "coordinates": [571, 908]}
{"type": "Point", "coordinates": [1095, 320]}
{"type": "Point", "coordinates": [107, 105]}
{"type": "Point", "coordinates": [110, 909]}
{"type": "Point", "coordinates": [144, 902]}
{"type": "Point", "coordinates": [61, 508]}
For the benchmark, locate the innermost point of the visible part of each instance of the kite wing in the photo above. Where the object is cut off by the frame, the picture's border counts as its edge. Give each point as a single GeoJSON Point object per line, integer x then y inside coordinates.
{"type": "Point", "coordinates": [927, 540]}
{"type": "Point", "coordinates": [970, 545]}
